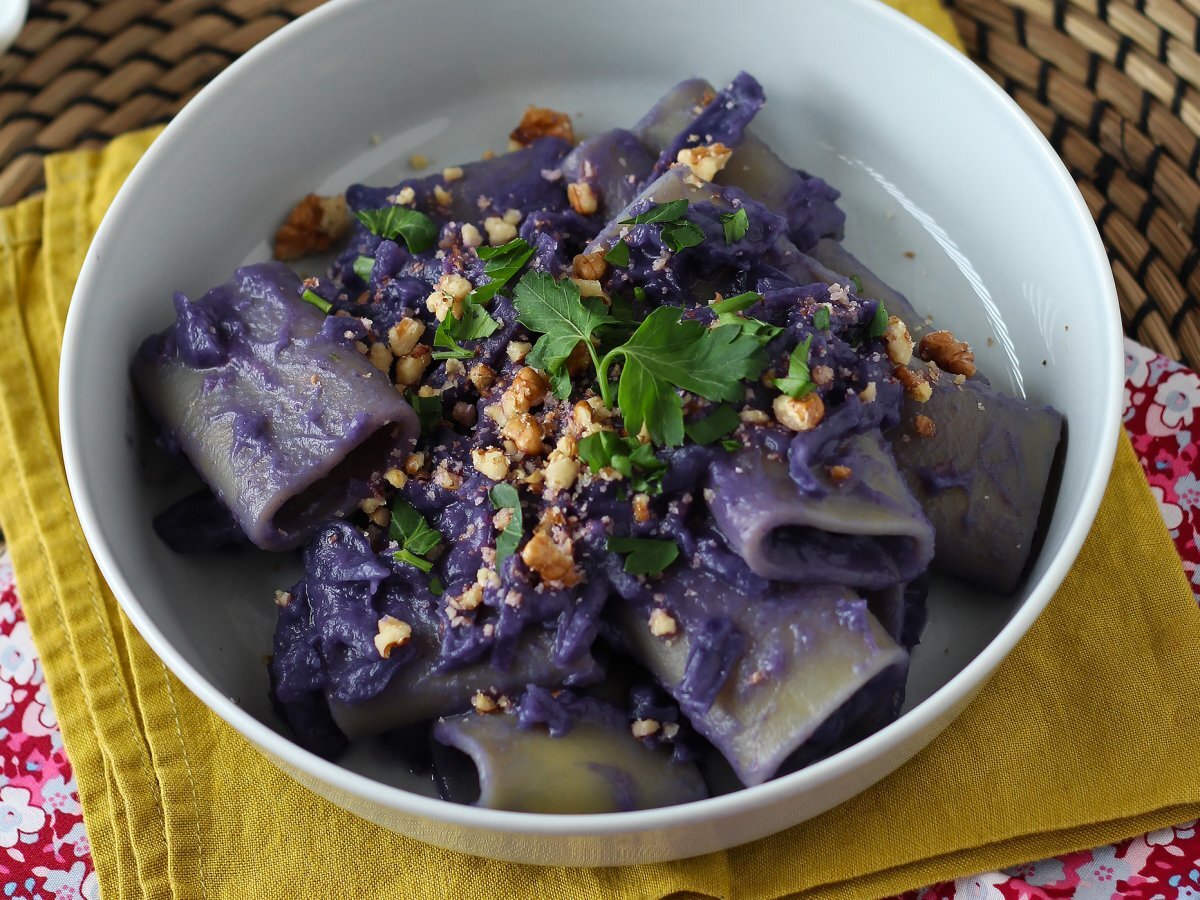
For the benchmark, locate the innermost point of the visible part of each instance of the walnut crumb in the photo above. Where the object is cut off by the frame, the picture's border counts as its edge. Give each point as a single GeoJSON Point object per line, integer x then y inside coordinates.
{"type": "Point", "coordinates": [840, 473]}
{"type": "Point", "coordinates": [418, 161]}
{"type": "Point", "coordinates": [661, 623]}
{"type": "Point", "coordinates": [705, 162]}
{"type": "Point", "coordinates": [311, 227]}
{"type": "Point", "coordinates": [538, 122]}
{"type": "Point", "coordinates": [643, 728]}
{"type": "Point", "coordinates": [392, 633]}
{"type": "Point", "coordinates": [452, 173]}
{"type": "Point", "coordinates": [914, 383]}
{"type": "Point", "coordinates": [948, 352]}
{"type": "Point", "coordinates": [924, 426]}
{"type": "Point", "coordinates": [483, 704]}
{"type": "Point", "coordinates": [589, 266]}
{"type": "Point", "coordinates": [283, 598]}
{"type": "Point", "coordinates": [582, 197]}
{"type": "Point", "coordinates": [802, 414]}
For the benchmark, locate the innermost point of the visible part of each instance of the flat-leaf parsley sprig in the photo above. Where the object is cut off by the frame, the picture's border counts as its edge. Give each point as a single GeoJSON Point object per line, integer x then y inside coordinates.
{"type": "Point", "coordinates": [665, 353]}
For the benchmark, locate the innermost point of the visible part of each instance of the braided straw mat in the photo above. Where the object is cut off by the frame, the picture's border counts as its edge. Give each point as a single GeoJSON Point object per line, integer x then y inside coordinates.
{"type": "Point", "coordinates": [1114, 85]}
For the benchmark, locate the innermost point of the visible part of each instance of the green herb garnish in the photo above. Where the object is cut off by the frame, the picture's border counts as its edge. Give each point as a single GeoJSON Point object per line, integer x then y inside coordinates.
{"type": "Point", "coordinates": [879, 322]}
{"type": "Point", "coordinates": [627, 455]}
{"type": "Point", "coordinates": [310, 296]}
{"type": "Point", "coordinates": [474, 324]}
{"type": "Point", "coordinates": [414, 535]}
{"type": "Point", "coordinates": [363, 266]}
{"type": "Point", "coordinates": [390, 222]}
{"type": "Point", "coordinates": [736, 303]}
{"type": "Point", "coordinates": [618, 255]}
{"type": "Point", "coordinates": [735, 224]}
{"type": "Point", "coordinates": [732, 446]}
{"type": "Point", "coordinates": [504, 496]}
{"type": "Point", "coordinates": [721, 421]}
{"type": "Point", "coordinates": [681, 235]}
{"type": "Point", "coordinates": [662, 212]}
{"type": "Point", "coordinates": [501, 264]}
{"type": "Point", "coordinates": [428, 410]}
{"type": "Point", "coordinates": [798, 383]}
{"type": "Point", "coordinates": [666, 353]}
{"type": "Point", "coordinates": [645, 556]}
{"type": "Point", "coordinates": [858, 285]}
{"type": "Point", "coordinates": [555, 309]}
{"type": "Point", "coordinates": [821, 318]}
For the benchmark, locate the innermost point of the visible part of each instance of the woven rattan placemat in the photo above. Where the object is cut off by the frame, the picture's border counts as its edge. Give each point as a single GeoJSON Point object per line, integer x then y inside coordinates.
{"type": "Point", "coordinates": [1114, 85]}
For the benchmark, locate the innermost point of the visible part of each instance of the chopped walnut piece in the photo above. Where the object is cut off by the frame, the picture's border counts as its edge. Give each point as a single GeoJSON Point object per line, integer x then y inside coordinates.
{"type": "Point", "coordinates": [414, 463]}
{"type": "Point", "coordinates": [589, 287]}
{"type": "Point", "coordinates": [392, 633]}
{"type": "Point", "coordinates": [446, 478]}
{"type": "Point", "coordinates": [518, 350]}
{"type": "Point", "coordinates": [898, 341]}
{"type": "Point", "coordinates": [471, 236]}
{"type": "Point", "coordinates": [464, 413]}
{"type": "Point", "coordinates": [396, 478]}
{"type": "Point", "coordinates": [561, 471]}
{"type": "Point", "coordinates": [550, 560]}
{"type": "Point", "coordinates": [803, 414]}
{"type": "Point", "coordinates": [705, 162]}
{"type": "Point", "coordinates": [822, 375]}
{"type": "Point", "coordinates": [582, 197]}
{"type": "Point", "coordinates": [410, 369]}
{"type": "Point", "coordinates": [483, 704]}
{"type": "Point", "coordinates": [914, 383]}
{"type": "Point", "coordinates": [380, 517]}
{"type": "Point", "coordinates": [924, 426]}
{"type": "Point", "coordinates": [589, 266]}
{"type": "Point", "coordinates": [452, 173]}
{"type": "Point", "coordinates": [528, 389]}
{"type": "Point", "coordinates": [482, 376]}
{"type": "Point", "coordinates": [380, 357]}
{"type": "Point", "coordinates": [641, 507]}
{"type": "Point", "coordinates": [661, 623]}
{"type": "Point", "coordinates": [840, 473]}
{"type": "Point", "coordinates": [498, 231]}
{"type": "Point", "coordinates": [442, 197]}
{"type": "Point", "coordinates": [754, 417]}
{"type": "Point", "coordinates": [526, 434]}
{"type": "Point", "coordinates": [541, 122]}
{"type": "Point", "coordinates": [403, 336]}
{"type": "Point", "coordinates": [282, 598]}
{"type": "Point", "coordinates": [644, 728]}
{"type": "Point", "coordinates": [311, 227]}
{"type": "Point", "coordinates": [491, 463]}
{"type": "Point", "coordinates": [670, 729]}
{"type": "Point", "coordinates": [949, 353]}
{"type": "Point", "coordinates": [468, 599]}
{"type": "Point", "coordinates": [418, 161]}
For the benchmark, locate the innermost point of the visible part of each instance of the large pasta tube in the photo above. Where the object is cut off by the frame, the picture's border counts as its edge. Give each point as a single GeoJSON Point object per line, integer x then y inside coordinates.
{"type": "Point", "coordinates": [981, 477]}
{"type": "Point", "coordinates": [284, 420]}
{"type": "Point", "coordinates": [865, 530]}
{"type": "Point", "coordinates": [613, 164]}
{"type": "Point", "coordinates": [804, 652]}
{"type": "Point", "coordinates": [596, 767]}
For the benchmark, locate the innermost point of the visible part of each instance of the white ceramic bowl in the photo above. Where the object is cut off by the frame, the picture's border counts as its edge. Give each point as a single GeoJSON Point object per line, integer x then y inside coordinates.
{"type": "Point", "coordinates": [932, 158]}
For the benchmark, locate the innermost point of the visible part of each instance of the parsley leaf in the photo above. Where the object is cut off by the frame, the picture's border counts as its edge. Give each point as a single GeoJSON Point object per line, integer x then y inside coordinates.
{"type": "Point", "coordinates": [735, 224]}
{"type": "Point", "coordinates": [428, 410]}
{"type": "Point", "coordinates": [735, 303]}
{"type": "Point", "coordinates": [662, 212]}
{"type": "Point", "coordinates": [879, 323]}
{"type": "Point", "coordinates": [414, 535]}
{"type": "Point", "coordinates": [363, 266]}
{"type": "Point", "coordinates": [858, 285]}
{"type": "Point", "coordinates": [797, 383]}
{"type": "Point", "coordinates": [474, 324]}
{"type": "Point", "coordinates": [618, 255]}
{"type": "Point", "coordinates": [316, 300]}
{"type": "Point", "coordinates": [821, 318]}
{"type": "Point", "coordinates": [646, 556]}
{"type": "Point", "coordinates": [681, 235]}
{"type": "Point", "coordinates": [732, 446]}
{"type": "Point", "coordinates": [504, 496]}
{"type": "Point", "coordinates": [629, 456]}
{"type": "Point", "coordinates": [721, 421]}
{"type": "Point", "coordinates": [665, 353]}
{"type": "Point", "coordinates": [556, 311]}
{"type": "Point", "coordinates": [418, 230]}
{"type": "Point", "coordinates": [761, 331]}
{"type": "Point", "coordinates": [501, 264]}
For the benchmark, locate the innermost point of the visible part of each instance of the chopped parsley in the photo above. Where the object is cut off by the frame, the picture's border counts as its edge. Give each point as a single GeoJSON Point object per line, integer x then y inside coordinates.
{"type": "Point", "coordinates": [474, 324]}
{"type": "Point", "coordinates": [717, 424]}
{"type": "Point", "coordinates": [678, 232]}
{"type": "Point", "coordinates": [627, 455]}
{"type": "Point", "coordinates": [798, 383]}
{"type": "Point", "coordinates": [821, 318]}
{"type": "Point", "coordinates": [681, 235]}
{"type": "Point", "coordinates": [363, 266]}
{"type": "Point", "coordinates": [391, 222]}
{"type": "Point", "coordinates": [662, 212]}
{"type": "Point", "coordinates": [736, 303]}
{"type": "Point", "coordinates": [501, 264]}
{"type": "Point", "coordinates": [666, 353]}
{"type": "Point", "coordinates": [428, 410]}
{"type": "Point", "coordinates": [735, 224]}
{"type": "Point", "coordinates": [618, 255]}
{"type": "Point", "coordinates": [310, 296]}
{"type": "Point", "coordinates": [858, 285]}
{"type": "Point", "coordinates": [414, 535]}
{"type": "Point", "coordinates": [644, 556]}
{"type": "Point", "coordinates": [732, 446]}
{"type": "Point", "coordinates": [879, 322]}
{"type": "Point", "coordinates": [504, 496]}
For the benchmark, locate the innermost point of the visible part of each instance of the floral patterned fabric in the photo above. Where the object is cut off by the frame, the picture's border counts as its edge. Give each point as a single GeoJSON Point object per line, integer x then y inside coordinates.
{"type": "Point", "coordinates": [44, 850]}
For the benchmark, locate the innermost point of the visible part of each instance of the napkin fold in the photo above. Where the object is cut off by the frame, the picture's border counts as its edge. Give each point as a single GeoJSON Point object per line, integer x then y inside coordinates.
{"type": "Point", "coordinates": [1086, 734]}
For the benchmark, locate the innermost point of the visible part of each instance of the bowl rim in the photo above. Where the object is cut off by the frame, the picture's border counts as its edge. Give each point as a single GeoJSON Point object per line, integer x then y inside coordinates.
{"type": "Point", "coordinates": [949, 696]}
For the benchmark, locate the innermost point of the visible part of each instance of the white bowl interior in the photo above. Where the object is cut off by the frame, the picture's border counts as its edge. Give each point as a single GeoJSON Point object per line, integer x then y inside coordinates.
{"type": "Point", "coordinates": [949, 196]}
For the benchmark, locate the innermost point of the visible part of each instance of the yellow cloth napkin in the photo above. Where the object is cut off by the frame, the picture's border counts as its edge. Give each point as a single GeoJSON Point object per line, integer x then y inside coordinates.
{"type": "Point", "coordinates": [1088, 732]}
